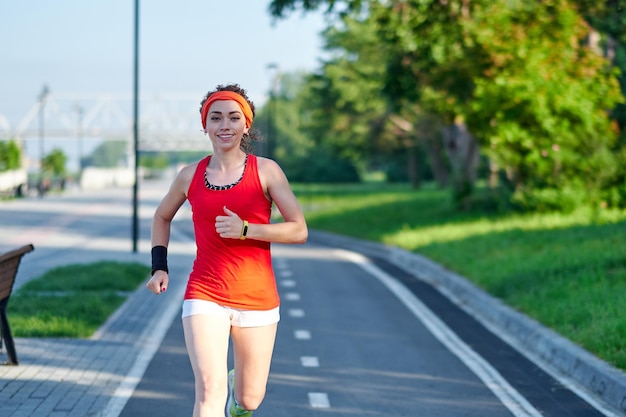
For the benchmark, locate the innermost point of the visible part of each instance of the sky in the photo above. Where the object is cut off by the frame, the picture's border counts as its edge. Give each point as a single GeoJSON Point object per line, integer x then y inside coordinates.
{"type": "Point", "coordinates": [189, 46]}
{"type": "Point", "coordinates": [185, 46]}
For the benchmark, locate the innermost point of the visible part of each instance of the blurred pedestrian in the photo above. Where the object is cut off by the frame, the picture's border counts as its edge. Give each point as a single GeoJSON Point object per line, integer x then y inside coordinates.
{"type": "Point", "coordinates": [231, 292]}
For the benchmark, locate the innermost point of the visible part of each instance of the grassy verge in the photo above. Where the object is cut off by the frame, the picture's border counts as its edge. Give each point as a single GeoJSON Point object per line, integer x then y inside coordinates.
{"type": "Point", "coordinates": [566, 271]}
{"type": "Point", "coordinates": [74, 300]}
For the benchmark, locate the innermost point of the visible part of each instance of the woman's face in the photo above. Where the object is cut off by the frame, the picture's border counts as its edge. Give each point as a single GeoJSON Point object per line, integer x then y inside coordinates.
{"type": "Point", "coordinates": [225, 124]}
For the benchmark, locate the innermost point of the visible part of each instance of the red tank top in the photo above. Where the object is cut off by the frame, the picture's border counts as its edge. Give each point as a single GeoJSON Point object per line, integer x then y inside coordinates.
{"type": "Point", "coordinates": [231, 272]}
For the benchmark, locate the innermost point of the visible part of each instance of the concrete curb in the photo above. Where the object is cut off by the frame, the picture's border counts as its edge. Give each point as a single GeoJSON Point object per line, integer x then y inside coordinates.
{"type": "Point", "coordinates": [564, 360]}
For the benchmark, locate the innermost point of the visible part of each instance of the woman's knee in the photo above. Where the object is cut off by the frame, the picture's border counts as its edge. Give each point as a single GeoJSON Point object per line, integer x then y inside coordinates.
{"type": "Point", "coordinates": [251, 400]}
{"type": "Point", "coordinates": [210, 390]}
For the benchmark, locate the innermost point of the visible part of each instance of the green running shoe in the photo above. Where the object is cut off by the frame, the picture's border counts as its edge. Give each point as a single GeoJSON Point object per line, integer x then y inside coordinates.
{"type": "Point", "coordinates": [233, 408]}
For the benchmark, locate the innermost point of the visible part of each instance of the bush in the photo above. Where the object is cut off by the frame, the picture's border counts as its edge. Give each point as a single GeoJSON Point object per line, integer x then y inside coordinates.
{"type": "Point", "coordinates": [10, 155]}
{"type": "Point", "coordinates": [547, 200]}
{"type": "Point", "coordinates": [323, 167]}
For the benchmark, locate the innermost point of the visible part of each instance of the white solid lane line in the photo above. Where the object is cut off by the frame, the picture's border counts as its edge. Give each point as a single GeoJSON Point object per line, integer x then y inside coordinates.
{"type": "Point", "coordinates": [509, 396]}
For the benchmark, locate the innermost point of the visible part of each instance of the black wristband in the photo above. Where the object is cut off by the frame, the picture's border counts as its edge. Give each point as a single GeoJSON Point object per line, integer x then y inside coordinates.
{"type": "Point", "coordinates": [159, 259]}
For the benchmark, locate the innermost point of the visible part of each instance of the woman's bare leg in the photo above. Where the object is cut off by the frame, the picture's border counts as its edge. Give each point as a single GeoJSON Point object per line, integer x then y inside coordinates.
{"type": "Point", "coordinates": [206, 337]}
{"type": "Point", "coordinates": [252, 348]}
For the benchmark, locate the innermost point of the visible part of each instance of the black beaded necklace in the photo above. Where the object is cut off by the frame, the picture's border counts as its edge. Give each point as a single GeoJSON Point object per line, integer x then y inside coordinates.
{"type": "Point", "coordinates": [227, 186]}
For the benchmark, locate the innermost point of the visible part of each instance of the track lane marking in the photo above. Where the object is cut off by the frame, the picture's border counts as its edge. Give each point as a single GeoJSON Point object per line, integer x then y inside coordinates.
{"type": "Point", "coordinates": [509, 396]}
{"type": "Point", "coordinates": [318, 400]}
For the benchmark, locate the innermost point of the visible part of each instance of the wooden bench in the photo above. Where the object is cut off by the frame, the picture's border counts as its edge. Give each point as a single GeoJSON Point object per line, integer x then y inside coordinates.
{"type": "Point", "coordinates": [9, 262]}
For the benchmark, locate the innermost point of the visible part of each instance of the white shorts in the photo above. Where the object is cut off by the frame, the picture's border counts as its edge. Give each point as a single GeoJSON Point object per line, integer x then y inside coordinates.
{"type": "Point", "coordinates": [238, 317]}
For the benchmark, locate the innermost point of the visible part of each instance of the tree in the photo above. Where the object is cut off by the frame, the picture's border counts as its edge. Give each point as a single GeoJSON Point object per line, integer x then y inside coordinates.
{"type": "Point", "coordinates": [155, 161]}
{"type": "Point", "coordinates": [305, 157]}
{"type": "Point", "coordinates": [54, 163]}
{"type": "Point", "coordinates": [287, 138]}
{"type": "Point", "coordinates": [10, 155]}
{"type": "Point", "coordinates": [110, 153]}
{"type": "Point", "coordinates": [421, 71]}
{"type": "Point", "coordinates": [280, 8]}
{"type": "Point", "coordinates": [541, 110]}
{"type": "Point", "coordinates": [508, 78]}
{"type": "Point", "coordinates": [608, 18]}
{"type": "Point", "coordinates": [346, 111]}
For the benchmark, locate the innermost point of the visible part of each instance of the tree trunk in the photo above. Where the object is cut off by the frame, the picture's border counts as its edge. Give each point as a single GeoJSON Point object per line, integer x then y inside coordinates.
{"type": "Point", "coordinates": [493, 174]}
{"type": "Point", "coordinates": [437, 160]}
{"type": "Point", "coordinates": [463, 151]}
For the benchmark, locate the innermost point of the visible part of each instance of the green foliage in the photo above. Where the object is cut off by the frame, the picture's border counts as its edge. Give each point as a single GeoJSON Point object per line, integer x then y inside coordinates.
{"type": "Point", "coordinates": [541, 111]}
{"type": "Point", "coordinates": [323, 167]}
{"type": "Point", "coordinates": [344, 109]}
{"type": "Point", "coordinates": [10, 155]}
{"type": "Point", "coordinates": [281, 8]}
{"type": "Point", "coordinates": [281, 121]}
{"type": "Point", "coordinates": [546, 200]}
{"type": "Point", "coordinates": [158, 161]}
{"type": "Point", "coordinates": [609, 18]}
{"type": "Point", "coordinates": [108, 154]}
{"type": "Point", "coordinates": [54, 163]}
{"type": "Point", "coordinates": [396, 170]}
{"type": "Point", "coordinates": [527, 78]}
{"type": "Point", "coordinates": [396, 165]}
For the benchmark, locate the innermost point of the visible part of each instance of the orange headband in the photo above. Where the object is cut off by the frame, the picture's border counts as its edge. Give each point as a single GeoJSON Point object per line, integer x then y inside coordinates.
{"type": "Point", "coordinates": [227, 95]}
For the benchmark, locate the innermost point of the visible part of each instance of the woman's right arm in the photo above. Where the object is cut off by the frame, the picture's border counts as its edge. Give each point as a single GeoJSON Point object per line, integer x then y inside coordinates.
{"type": "Point", "coordinates": [169, 205]}
{"type": "Point", "coordinates": [162, 221]}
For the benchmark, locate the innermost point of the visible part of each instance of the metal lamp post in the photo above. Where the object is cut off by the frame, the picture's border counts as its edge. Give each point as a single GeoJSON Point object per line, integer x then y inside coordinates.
{"type": "Point", "coordinates": [136, 129]}
{"type": "Point", "coordinates": [43, 97]}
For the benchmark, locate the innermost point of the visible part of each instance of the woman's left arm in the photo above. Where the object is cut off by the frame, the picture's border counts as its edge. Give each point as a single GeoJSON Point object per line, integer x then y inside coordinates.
{"type": "Point", "coordinates": [293, 229]}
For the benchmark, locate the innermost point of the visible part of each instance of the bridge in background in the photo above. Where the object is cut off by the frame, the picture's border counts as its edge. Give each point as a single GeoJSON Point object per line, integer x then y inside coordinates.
{"type": "Point", "coordinates": [168, 122]}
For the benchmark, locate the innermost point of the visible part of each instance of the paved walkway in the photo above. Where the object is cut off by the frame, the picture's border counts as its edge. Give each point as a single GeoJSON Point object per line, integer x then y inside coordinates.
{"type": "Point", "coordinates": [93, 377]}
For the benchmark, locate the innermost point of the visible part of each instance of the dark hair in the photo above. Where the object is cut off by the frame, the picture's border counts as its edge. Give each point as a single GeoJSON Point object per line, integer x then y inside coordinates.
{"type": "Point", "coordinates": [253, 134]}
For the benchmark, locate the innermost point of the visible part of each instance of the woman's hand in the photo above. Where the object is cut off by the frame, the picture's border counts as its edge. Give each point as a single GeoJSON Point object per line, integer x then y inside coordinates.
{"type": "Point", "coordinates": [159, 282]}
{"type": "Point", "coordinates": [230, 225]}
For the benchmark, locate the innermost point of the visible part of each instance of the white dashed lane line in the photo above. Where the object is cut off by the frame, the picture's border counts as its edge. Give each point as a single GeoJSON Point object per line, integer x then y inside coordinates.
{"type": "Point", "coordinates": [310, 361]}
{"type": "Point", "coordinates": [292, 296]}
{"type": "Point", "coordinates": [316, 399]}
{"type": "Point", "coordinates": [296, 312]}
{"type": "Point", "coordinates": [302, 334]}
{"type": "Point", "coordinates": [319, 400]}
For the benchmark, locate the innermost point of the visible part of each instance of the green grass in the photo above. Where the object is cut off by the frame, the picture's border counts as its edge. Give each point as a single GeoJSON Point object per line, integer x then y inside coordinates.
{"type": "Point", "coordinates": [566, 271]}
{"type": "Point", "coordinates": [74, 300]}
